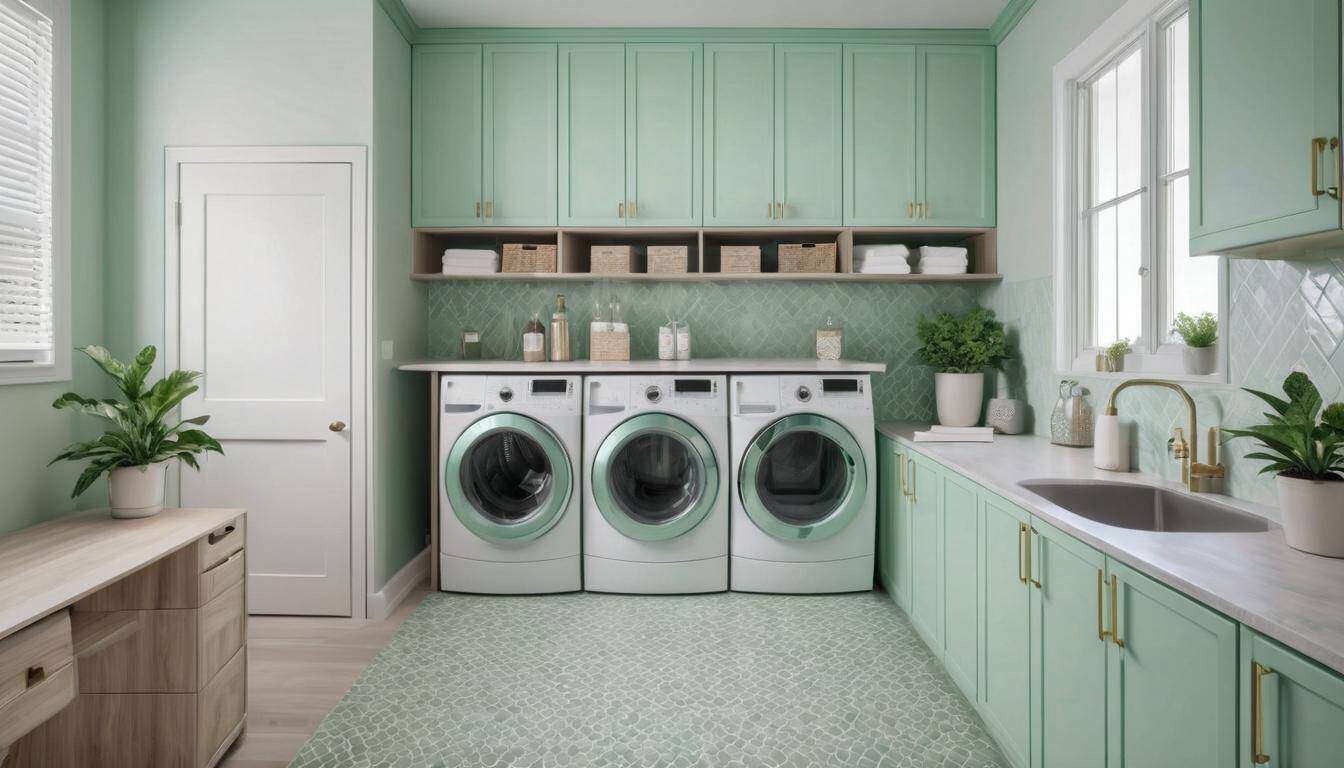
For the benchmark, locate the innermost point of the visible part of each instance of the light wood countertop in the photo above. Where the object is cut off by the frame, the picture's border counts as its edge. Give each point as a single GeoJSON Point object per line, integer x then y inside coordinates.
{"type": "Point", "coordinates": [49, 566]}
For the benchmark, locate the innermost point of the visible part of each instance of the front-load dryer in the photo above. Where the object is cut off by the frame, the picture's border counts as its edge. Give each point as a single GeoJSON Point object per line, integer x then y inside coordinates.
{"type": "Point", "coordinates": [509, 484]}
{"type": "Point", "coordinates": [803, 485]}
{"type": "Point", "coordinates": [655, 490]}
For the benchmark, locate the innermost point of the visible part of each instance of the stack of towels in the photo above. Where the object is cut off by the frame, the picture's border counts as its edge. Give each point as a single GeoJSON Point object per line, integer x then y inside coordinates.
{"type": "Point", "coordinates": [882, 259]}
{"type": "Point", "coordinates": [470, 261]}
{"type": "Point", "coordinates": [935, 260]}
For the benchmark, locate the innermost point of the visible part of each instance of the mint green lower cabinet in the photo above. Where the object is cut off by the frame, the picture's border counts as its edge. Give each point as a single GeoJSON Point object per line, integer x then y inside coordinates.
{"type": "Point", "coordinates": [592, 135]}
{"type": "Point", "coordinates": [1300, 706]}
{"type": "Point", "coordinates": [1172, 687]}
{"type": "Point", "coordinates": [1005, 627]}
{"type": "Point", "coordinates": [1068, 658]}
{"type": "Point", "coordinates": [961, 582]}
{"type": "Point", "coordinates": [739, 134]}
{"type": "Point", "coordinates": [520, 155]}
{"type": "Point", "coordinates": [663, 134]}
{"type": "Point", "coordinates": [926, 548]}
{"type": "Point", "coordinates": [893, 523]}
{"type": "Point", "coordinates": [446, 136]}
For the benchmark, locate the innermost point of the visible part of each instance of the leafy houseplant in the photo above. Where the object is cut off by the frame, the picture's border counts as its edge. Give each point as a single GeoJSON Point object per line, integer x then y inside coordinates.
{"type": "Point", "coordinates": [140, 439]}
{"type": "Point", "coordinates": [959, 348]}
{"type": "Point", "coordinates": [1115, 355]}
{"type": "Point", "coordinates": [1200, 334]}
{"type": "Point", "coordinates": [1303, 446]}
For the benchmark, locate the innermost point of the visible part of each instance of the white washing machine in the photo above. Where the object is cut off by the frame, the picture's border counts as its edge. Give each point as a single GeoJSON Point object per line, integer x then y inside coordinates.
{"type": "Point", "coordinates": [509, 484]}
{"type": "Point", "coordinates": [804, 483]}
{"type": "Point", "coordinates": [655, 491]}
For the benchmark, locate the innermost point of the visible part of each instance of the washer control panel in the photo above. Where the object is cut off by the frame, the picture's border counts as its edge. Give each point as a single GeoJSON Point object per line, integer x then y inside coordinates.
{"type": "Point", "coordinates": [490, 393]}
{"type": "Point", "coordinates": [847, 393]}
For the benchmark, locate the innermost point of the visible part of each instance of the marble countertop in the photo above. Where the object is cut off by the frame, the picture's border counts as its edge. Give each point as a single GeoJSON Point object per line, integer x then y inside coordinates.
{"type": "Point", "coordinates": [702, 365]}
{"type": "Point", "coordinates": [1255, 578]}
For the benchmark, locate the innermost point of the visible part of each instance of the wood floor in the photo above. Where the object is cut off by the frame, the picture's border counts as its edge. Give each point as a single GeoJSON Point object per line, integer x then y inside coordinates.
{"type": "Point", "coordinates": [298, 669]}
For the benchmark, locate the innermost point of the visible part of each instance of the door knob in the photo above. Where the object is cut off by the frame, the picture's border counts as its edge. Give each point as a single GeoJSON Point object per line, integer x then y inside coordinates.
{"type": "Point", "coordinates": [336, 426]}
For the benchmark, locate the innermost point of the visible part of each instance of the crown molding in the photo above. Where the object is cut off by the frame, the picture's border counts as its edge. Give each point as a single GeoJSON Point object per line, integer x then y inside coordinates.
{"type": "Point", "coordinates": [1008, 19]}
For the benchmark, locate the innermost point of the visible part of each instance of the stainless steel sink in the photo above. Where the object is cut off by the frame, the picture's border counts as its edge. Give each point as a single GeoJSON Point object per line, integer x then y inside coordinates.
{"type": "Point", "coordinates": [1144, 508]}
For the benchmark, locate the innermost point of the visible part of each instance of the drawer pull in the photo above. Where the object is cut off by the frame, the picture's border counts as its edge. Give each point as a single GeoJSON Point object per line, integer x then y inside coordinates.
{"type": "Point", "coordinates": [36, 675]}
{"type": "Point", "coordinates": [216, 537]}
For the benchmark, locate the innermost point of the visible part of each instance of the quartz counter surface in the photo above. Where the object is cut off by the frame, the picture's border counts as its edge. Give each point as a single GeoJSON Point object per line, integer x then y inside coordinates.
{"type": "Point", "coordinates": [740, 365]}
{"type": "Point", "coordinates": [1255, 578]}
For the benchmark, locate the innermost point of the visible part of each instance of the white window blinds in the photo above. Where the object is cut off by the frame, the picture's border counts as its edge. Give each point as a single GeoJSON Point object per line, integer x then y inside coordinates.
{"type": "Point", "coordinates": [26, 130]}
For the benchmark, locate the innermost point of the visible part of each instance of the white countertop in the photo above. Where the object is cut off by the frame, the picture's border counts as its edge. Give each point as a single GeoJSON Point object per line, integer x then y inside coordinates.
{"type": "Point", "coordinates": [702, 365]}
{"type": "Point", "coordinates": [1255, 578]}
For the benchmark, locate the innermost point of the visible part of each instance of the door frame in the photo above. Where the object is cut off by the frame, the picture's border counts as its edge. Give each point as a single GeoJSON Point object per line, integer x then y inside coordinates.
{"type": "Point", "coordinates": [361, 319]}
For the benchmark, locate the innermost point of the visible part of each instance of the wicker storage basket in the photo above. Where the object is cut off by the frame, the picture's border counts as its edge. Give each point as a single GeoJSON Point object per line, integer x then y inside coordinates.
{"type": "Point", "coordinates": [608, 346]}
{"type": "Point", "coordinates": [740, 258]}
{"type": "Point", "coordinates": [612, 260]}
{"type": "Point", "coordinates": [807, 257]}
{"type": "Point", "coordinates": [667, 259]}
{"type": "Point", "coordinates": [527, 257]}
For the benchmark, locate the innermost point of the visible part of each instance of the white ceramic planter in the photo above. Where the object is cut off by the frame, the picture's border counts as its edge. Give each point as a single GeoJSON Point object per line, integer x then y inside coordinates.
{"type": "Point", "coordinates": [1201, 361]}
{"type": "Point", "coordinates": [1313, 514]}
{"type": "Point", "coordinates": [136, 491]}
{"type": "Point", "coordinates": [959, 396]}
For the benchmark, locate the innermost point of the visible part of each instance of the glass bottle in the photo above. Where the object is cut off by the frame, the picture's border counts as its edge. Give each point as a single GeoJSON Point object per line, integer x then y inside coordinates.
{"type": "Point", "coordinates": [560, 331]}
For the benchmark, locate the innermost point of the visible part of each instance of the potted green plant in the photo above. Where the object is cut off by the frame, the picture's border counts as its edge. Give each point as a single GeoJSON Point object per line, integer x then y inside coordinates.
{"type": "Point", "coordinates": [141, 437]}
{"type": "Point", "coordinates": [960, 348]}
{"type": "Point", "coordinates": [1115, 355]}
{"type": "Point", "coordinates": [1303, 446]}
{"type": "Point", "coordinates": [1200, 334]}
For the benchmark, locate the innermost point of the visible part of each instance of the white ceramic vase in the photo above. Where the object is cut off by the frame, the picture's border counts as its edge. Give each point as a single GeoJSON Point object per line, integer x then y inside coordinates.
{"type": "Point", "coordinates": [1201, 361]}
{"type": "Point", "coordinates": [1313, 514]}
{"type": "Point", "coordinates": [136, 491]}
{"type": "Point", "coordinates": [959, 396]}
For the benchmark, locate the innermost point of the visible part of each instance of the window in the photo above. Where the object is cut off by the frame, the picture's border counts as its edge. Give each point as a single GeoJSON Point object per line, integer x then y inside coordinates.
{"type": "Point", "coordinates": [34, 244]}
{"type": "Point", "coordinates": [1122, 201]}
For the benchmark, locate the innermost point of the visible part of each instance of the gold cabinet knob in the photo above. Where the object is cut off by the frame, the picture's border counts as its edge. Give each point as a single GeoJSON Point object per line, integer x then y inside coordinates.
{"type": "Point", "coordinates": [336, 426]}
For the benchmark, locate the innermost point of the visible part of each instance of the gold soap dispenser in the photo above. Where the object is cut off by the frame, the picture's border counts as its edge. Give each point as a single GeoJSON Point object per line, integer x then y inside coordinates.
{"type": "Point", "coordinates": [560, 331]}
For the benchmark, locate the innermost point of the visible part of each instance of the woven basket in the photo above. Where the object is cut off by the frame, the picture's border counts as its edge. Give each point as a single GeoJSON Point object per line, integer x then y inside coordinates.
{"type": "Point", "coordinates": [526, 257]}
{"type": "Point", "coordinates": [740, 258]}
{"type": "Point", "coordinates": [608, 346]}
{"type": "Point", "coordinates": [667, 259]}
{"type": "Point", "coordinates": [612, 260]}
{"type": "Point", "coordinates": [807, 257]}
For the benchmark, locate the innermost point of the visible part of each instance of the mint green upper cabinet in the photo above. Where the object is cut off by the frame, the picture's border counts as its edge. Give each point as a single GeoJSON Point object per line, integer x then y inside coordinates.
{"type": "Point", "coordinates": [520, 134]}
{"type": "Point", "coordinates": [956, 135]}
{"type": "Point", "coordinates": [664, 127]}
{"type": "Point", "coordinates": [739, 134]}
{"type": "Point", "coordinates": [1172, 687]}
{"type": "Point", "coordinates": [961, 582]}
{"type": "Point", "coordinates": [926, 550]}
{"type": "Point", "coordinates": [592, 135]}
{"type": "Point", "coordinates": [1301, 703]}
{"type": "Point", "coordinates": [807, 134]}
{"type": "Point", "coordinates": [1068, 657]}
{"type": "Point", "coordinates": [446, 135]}
{"type": "Point", "coordinates": [1265, 81]}
{"type": "Point", "coordinates": [879, 143]}
{"type": "Point", "coordinates": [1005, 627]}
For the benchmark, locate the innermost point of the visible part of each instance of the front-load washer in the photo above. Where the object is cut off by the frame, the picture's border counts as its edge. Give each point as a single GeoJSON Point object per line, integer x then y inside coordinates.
{"type": "Point", "coordinates": [655, 490]}
{"type": "Point", "coordinates": [509, 484]}
{"type": "Point", "coordinates": [803, 495]}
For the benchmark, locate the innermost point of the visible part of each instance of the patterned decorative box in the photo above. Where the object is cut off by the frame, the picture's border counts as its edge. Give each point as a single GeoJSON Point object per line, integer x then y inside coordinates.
{"type": "Point", "coordinates": [740, 258]}
{"type": "Point", "coordinates": [608, 346]}
{"type": "Point", "coordinates": [667, 259]}
{"type": "Point", "coordinates": [527, 257]}
{"type": "Point", "coordinates": [612, 260]}
{"type": "Point", "coordinates": [807, 257]}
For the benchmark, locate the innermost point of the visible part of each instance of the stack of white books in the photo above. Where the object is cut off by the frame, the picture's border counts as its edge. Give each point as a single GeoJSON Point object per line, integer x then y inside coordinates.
{"type": "Point", "coordinates": [940, 434]}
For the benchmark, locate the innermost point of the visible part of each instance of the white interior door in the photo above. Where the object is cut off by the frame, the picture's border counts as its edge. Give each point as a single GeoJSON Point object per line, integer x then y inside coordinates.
{"type": "Point", "coordinates": [264, 312]}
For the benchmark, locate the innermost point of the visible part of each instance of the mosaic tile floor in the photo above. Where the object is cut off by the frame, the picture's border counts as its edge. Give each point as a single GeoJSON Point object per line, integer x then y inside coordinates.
{"type": "Point", "coordinates": [605, 680]}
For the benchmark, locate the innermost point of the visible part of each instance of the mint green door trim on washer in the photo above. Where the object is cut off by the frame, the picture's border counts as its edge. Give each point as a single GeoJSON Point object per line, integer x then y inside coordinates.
{"type": "Point", "coordinates": [534, 525]}
{"type": "Point", "coordinates": [856, 487]}
{"type": "Point", "coordinates": [682, 432]}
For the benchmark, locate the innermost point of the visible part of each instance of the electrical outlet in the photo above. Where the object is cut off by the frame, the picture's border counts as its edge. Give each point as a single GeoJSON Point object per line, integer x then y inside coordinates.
{"type": "Point", "coordinates": [387, 350]}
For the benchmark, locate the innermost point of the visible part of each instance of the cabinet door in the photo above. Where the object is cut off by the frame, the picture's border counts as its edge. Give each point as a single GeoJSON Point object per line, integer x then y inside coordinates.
{"type": "Point", "coordinates": [1172, 687]}
{"type": "Point", "coordinates": [807, 134]}
{"type": "Point", "coordinates": [663, 134]}
{"type": "Point", "coordinates": [520, 134]}
{"type": "Point", "coordinates": [926, 547]}
{"type": "Point", "coordinates": [1301, 705]}
{"type": "Point", "coordinates": [446, 136]}
{"type": "Point", "coordinates": [956, 135]}
{"type": "Point", "coordinates": [739, 134]}
{"type": "Point", "coordinates": [890, 469]}
{"type": "Point", "coordinates": [1005, 626]}
{"type": "Point", "coordinates": [879, 144]}
{"type": "Point", "coordinates": [592, 135]}
{"type": "Point", "coordinates": [1250, 171]}
{"type": "Point", "coordinates": [961, 582]}
{"type": "Point", "coordinates": [1068, 656]}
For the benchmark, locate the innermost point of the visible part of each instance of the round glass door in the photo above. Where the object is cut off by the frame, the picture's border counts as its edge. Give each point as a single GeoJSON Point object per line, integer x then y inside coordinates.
{"type": "Point", "coordinates": [655, 477]}
{"type": "Point", "coordinates": [508, 478]}
{"type": "Point", "coordinates": [803, 477]}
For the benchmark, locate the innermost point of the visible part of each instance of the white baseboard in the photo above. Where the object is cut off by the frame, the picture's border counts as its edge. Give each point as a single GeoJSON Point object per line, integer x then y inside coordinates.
{"type": "Point", "coordinates": [382, 603]}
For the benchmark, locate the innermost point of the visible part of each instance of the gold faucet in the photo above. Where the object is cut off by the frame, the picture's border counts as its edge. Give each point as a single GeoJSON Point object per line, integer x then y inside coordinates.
{"type": "Point", "coordinates": [1192, 471]}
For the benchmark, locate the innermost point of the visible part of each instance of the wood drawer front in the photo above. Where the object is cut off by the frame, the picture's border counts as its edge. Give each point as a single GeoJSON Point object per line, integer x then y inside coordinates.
{"type": "Point", "coordinates": [159, 658]}
{"type": "Point", "coordinates": [169, 582]}
{"type": "Point", "coordinates": [37, 704]}
{"type": "Point", "coordinates": [43, 647]}
{"type": "Point", "coordinates": [221, 708]}
{"type": "Point", "coordinates": [223, 628]}
{"type": "Point", "coordinates": [216, 547]}
{"type": "Point", "coordinates": [214, 581]}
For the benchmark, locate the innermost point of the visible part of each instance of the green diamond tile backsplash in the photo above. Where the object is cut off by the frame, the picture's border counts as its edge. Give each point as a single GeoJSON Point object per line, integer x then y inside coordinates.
{"type": "Point", "coordinates": [738, 319]}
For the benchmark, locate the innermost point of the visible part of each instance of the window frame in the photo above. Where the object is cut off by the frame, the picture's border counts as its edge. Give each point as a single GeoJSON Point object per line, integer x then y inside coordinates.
{"type": "Point", "coordinates": [58, 367]}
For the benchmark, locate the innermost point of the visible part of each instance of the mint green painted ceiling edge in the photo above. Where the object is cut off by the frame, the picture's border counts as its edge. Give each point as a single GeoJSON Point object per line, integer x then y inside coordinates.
{"type": "Point", "coordinates": [401, 18]}
{"type": "Point", "coordinates": [1008, 18]}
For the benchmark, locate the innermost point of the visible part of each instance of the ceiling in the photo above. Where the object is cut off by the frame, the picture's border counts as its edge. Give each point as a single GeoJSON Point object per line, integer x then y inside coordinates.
{"type": "Point", "coordinates": [850, 14]}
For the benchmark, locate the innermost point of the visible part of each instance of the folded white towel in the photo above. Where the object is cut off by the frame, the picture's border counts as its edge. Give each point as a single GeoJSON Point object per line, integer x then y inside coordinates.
{"type": "Point", "coordinates": [895, 269]}
{"type": "Point", "coordinates": [880, 261]}
{"type": "Point", "coordinates": [470, 261]}
{"type": "Point", "coordinates": [470, 254]}
{"type": "Point", "coordinates": [477, 269]}
{"type": "Point", "coordinates": [938, 252]}
{"type": "Point", "coordinates": [896, 250]}
{"type": "Point", "coordinates": [938, 270]}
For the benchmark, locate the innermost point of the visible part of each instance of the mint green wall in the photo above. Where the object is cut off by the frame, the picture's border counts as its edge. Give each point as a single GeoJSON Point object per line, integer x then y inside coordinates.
{"type": "Point", "coordinates": [33, 431]}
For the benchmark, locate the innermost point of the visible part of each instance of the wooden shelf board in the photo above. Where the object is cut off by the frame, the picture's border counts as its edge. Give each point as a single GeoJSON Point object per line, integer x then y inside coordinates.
{"type": "Point", "coordinates": [710, 277]}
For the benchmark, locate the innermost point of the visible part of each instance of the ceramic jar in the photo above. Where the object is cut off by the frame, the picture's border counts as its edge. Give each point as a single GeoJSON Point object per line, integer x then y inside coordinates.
{"type": "Point", "coordinates": [1313, 514]}
{"type": "Point", "coordinates": [136, 491]}
{"type": "Point", "coordinates": [958, 397]}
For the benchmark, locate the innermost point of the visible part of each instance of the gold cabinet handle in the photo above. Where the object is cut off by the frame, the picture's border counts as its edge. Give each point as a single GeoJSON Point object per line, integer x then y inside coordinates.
{"type": "Point", "coordinates": [913, 477]}
{"type": "Point", "coordinates": [1031, 570]}
{"type": "Point", "coordinates": [1318, 145]}
{"type": "Point", "coordinates": [1258, 672]}
{"type": "Point", "coordinates": [770, 210]}
{"type": "Point", "coordinates": [1333, 191]}
{"type": "Point", "coordinates": [336, 426]}
{"type": "Point", "coordinates": [1115, 614]}
{"type": "Point", "coordinates": [634, 210]}
{"type": "Point", "coordinates": [620, 210]}
{"type": "Point", "coordinates": [779, 209]}
{"type": "Point", "coordinates": [900, 465]}
{"type": "Point", "coordinates": [489, 209]}
{"type": "Point", "coordinates": [1102, 632]}
{"type": "Point", "coordinates": [910, 209]}
{"type": "Point", "coordinates": [1023, 541]}
{"type": "Point", "coordinates": [478, 209]}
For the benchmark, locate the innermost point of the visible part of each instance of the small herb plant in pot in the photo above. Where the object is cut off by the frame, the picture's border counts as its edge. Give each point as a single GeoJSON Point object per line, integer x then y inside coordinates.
{"type": "Point", "coordinates": [960, 348]}
{"type": "Point", "coordinates": [1115, 355]}
{"type": "Point", "coordinates": [141, 437]}
{"type": "Point", "coordinates": [1303, 446]}
{"type": "Point", "coordinates": [1200, 334]}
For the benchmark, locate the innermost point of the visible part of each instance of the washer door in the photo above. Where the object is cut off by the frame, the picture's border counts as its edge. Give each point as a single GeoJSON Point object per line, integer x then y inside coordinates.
{"type": "Point", "coordinates": [508, 478]}
{"type": "Point", "coordinates": [803, 477]}
{"type": "Point", "coordinates": [655, 477]}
